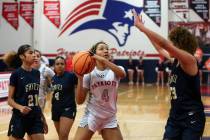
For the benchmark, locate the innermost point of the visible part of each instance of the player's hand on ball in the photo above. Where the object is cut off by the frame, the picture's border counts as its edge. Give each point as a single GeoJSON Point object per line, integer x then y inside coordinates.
{"type": "Point", "coordinates": [99, 58]}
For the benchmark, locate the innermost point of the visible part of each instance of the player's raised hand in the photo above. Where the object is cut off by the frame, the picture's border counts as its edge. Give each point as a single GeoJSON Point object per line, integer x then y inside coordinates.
{"type": "Point", "coordinates": [137, 20]}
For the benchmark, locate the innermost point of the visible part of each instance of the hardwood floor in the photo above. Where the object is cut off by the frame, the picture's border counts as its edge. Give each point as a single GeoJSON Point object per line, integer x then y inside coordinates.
{"type": "Point", "coordinates": [142, 114]}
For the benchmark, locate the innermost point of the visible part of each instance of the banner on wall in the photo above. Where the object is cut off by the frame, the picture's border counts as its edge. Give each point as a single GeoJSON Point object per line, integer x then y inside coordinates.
{"type": "Point", "coordinates": [152, 8]}
{"type": "Point", "coordinates": [10, 13]}
{"type": "Point", "coordinates": [4, 85]}
{"type": "Point", "coordinates": [180, 8]}
{"type": "Point", "coordinates": [201, 7]}
{"type": "Point", "coordinates": [52, 12]}
{"type": "Point", "coordinates": [27, 12]}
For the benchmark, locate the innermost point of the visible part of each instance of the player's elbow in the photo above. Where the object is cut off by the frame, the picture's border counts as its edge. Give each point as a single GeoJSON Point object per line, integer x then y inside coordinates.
{"type": "Point", "coordinates": [9, 100]}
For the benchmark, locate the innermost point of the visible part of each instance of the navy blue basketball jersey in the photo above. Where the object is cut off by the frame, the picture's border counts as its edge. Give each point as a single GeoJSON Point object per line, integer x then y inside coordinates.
{"type": "Point", "coordinates": [26, 85]}
{"type": "Point", "coordinates": [64, 90]}
{"type": "Point", "coordinates": [185, 92]}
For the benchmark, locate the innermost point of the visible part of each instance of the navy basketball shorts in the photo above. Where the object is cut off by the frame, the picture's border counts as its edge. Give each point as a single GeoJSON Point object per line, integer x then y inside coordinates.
{"type": "Point", "coordinates": [190, 128]}
{"type": "Point", "coordinates": [69, 112]}
{"type": "Point", "coordinates": [19, 125]}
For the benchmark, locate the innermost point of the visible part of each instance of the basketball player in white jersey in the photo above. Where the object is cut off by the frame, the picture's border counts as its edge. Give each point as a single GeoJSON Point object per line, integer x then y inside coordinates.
{"type": "Point", "coordinates": [101, 85]}
{"type": "Point", "coordinates": [46, 74]}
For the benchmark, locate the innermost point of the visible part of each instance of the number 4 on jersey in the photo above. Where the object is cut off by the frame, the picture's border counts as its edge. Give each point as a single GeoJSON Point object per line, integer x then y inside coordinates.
{"type": "Point", "coordinates": [105, 95]}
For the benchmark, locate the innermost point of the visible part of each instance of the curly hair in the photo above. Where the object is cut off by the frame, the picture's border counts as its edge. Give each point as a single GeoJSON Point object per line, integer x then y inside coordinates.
{"type": "Point", "coordinates": [183, 39]}
{"type": "Point", "coordinates": [94, 47]}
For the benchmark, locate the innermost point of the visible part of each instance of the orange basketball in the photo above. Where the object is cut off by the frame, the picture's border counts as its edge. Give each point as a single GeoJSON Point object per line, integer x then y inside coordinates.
{"type": "Point", "coordinates": [83, 63]}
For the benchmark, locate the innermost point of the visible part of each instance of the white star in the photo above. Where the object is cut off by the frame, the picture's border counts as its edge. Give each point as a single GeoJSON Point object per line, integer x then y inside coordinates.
{"type": "Point", "coordinates": [128, 14]}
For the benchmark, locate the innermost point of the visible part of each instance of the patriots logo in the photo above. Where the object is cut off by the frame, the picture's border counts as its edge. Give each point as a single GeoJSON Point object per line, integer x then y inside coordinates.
{"type": "Point", "coordinates": [112, 16]}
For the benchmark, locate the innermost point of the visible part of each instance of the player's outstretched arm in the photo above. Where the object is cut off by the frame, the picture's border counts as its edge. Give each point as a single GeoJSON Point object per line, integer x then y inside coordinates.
{"type": "Point", "coordinates": [188, 62]}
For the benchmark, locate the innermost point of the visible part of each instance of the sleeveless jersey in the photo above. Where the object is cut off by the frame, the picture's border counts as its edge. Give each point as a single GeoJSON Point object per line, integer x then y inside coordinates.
{"type": "Point", "coordinates": [64, 90]}
{"type": "Point", "coordinates": [103, 87]}
{"type": "Point", "coordinates": [185, 92]}
{"type": "Point", "coordinates": [26, 85]}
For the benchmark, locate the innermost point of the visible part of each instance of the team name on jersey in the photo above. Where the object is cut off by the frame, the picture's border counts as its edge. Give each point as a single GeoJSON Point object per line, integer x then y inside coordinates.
{"type": "Point", "coordinates": [31, 87]}
{"type": "Point", "coordinates": [173, 78]}
{"type": "Point", "coordinates": [57, 87]}
{"type": "Point", "coordinates": [103, 83]}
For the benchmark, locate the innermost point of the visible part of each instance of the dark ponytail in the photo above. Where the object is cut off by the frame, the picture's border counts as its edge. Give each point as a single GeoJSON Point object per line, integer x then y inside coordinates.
{"type": "Point", "coordinates": [12, 58]}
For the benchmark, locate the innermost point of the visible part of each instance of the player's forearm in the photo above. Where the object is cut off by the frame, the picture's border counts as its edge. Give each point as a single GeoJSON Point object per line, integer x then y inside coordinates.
{"type": "Point", "coordinates": [181, 55]}
{"type": "Point", "coordinates": [80, 95]}
{"type": "Point", "coordinates": [13, 104]}
{"type": "Point", "coordinates": [157, 39]}
{"type": "Point", "coordinates": [117, 70]}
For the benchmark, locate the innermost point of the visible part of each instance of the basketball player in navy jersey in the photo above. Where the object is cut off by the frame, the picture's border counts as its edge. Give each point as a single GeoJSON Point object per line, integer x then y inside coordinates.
{"type": "Point", "coordinates": [27, 116]}
{"type": "Point", "coordinates": [63, 100]}
{"type": "Point", "coordinates": [186, 119]}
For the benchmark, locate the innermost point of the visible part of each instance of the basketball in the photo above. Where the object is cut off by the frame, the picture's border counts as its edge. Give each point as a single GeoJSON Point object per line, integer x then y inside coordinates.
{"type": "Point", "coordinates": [83, 63]}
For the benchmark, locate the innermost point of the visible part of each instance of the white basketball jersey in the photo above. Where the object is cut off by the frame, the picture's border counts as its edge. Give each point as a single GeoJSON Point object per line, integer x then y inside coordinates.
{"type": "Point", "coordinates": [44, 73]}
{"type": "Point", "coordinates": [103, 87]}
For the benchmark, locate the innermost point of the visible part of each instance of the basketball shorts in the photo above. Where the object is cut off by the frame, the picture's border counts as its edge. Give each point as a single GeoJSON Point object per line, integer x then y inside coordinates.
{"type": "Point", "coordinates": [190, 128]}
{"type": "Point", "coordinates": [19, 125]}
{"type": "Point", "coordinates": [69, 112]}
{"type": "Point", "coordinates": [97, 124]}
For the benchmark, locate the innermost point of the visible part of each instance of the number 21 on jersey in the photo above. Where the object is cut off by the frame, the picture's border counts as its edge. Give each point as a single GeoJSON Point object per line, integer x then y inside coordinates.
{"type": "Point", "coordinates": [33, 100]}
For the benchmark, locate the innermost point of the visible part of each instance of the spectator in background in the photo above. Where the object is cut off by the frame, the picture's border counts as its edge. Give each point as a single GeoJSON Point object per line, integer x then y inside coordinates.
{"type": "Point", "coordinates": [199, 55]}
{"type": "Point", "coordinates": [207, 66]}
{"type": "Point", "coordinates": [69, 66]}
{"type": "Point", "coordinates": [160, 71]}
{"type": "Point", "coordinates": [131, 68]}
{"type": "Point", "coordinates": [140, 70]}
